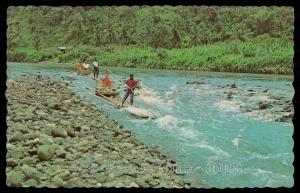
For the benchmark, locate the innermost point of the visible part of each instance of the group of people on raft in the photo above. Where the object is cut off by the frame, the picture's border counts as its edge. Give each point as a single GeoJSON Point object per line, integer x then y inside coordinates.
{"type": "Point", "coordinates": [131, 83]}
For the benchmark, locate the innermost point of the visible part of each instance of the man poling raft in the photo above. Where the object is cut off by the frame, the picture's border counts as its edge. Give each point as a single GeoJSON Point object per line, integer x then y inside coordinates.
{"type": "Point", "coordinates": [131, 85]}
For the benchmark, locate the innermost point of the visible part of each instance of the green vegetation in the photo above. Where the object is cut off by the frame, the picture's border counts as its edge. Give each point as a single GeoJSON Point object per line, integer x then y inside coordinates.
{"type": "Point", "coordinates": [236, 39]}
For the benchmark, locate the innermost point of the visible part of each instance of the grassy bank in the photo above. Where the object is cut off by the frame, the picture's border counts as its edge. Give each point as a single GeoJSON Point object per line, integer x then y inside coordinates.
{"type": "Point", "coordinates": [259, 55]}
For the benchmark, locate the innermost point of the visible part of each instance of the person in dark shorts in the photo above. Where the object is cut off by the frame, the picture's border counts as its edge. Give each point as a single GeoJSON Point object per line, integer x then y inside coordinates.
{"type": "Point", "coordinates": [131, 85]}
{"type": "Point", "coordinates": [96, 69]}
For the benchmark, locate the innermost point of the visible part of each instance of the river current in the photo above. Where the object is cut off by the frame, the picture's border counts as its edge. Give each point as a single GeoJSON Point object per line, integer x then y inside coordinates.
{"type": "Point", "coordinates": [214, 142]}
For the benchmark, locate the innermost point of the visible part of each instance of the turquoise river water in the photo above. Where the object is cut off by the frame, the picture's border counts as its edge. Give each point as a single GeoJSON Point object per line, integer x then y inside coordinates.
{"type": "Point", "coordinates": [212, 141]}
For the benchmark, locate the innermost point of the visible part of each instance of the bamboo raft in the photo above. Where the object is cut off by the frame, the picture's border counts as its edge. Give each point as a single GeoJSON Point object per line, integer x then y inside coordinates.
{"type": "Point", "coordinates": [113, 98]}
{"type": "Point", "coordinates": [110, 96]}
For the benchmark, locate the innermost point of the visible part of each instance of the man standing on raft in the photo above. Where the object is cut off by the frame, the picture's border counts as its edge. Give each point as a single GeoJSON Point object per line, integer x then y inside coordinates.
{"type": "Point", "coordinates": [131, 85]}
{"type": "Point", "coordinates": [96, 69]}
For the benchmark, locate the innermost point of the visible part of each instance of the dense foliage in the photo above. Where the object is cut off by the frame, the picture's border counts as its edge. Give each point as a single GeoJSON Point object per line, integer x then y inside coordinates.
{"type": "Point", "coordinates": [239, 39]}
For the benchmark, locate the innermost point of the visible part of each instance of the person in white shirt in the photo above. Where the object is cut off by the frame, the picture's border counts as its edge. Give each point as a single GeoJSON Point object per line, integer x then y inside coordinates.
{"type": "Point", "coordinates": [86, 66]}
{"type": "Point", "coordinates": [96, 69]}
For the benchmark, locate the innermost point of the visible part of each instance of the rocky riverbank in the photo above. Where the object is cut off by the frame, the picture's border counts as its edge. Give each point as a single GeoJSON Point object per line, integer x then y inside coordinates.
{"type": "Point", "coordinates": [55, 138]}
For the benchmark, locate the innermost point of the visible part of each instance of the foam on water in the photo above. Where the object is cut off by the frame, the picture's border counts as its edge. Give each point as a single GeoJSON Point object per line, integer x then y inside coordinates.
{"type": "Point", "coordinates": [226, 105]}
{"type": "Point", "coordinates": [140, 111]}
{"type": "Point", "coordinates": [168, 121]}
{"type": "Point", "coordinates": [216, 150]}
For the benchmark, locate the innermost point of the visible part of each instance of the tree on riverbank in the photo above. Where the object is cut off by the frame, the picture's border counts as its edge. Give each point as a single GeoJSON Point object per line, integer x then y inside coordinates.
{"type": "Point", "coordinates": [239, 39]}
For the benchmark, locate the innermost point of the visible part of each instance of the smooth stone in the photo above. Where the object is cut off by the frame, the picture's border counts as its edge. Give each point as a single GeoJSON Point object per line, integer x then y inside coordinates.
{"type": "Point", "coordinates": [100, 177]}
{"type": "Point", "coordinates": [46, 152]}
{"type": "Point", "coordinates": [70, 132]}
{"type": "Point", "coordinates": [85, 128]}
{"type": "Point", "coordinates": [64, 122]}
{"type": "Point", "coordinates": [17, 152]}
{"type": "Point", "coordinates": [30, 183]}
{"type": "Point", "coordinates": [11, 162]}
{"type": "Point", "coordinates": [134, 185]}
{"type": "Point", "coordinates": [59, 132]}
{"type": "Point", "coordinates": [22, 128]}
{"type": "Point", "coordinates": [18, 136]}
{"type": "Point", "coordinates": [43, 140]}
{"type": "Point", "coordinates": [58, 181]}
{"type": "Point", "coordinates": [31, 172]}
{"type": "Point", "coordinates": [29, 160]}
{"type": "Point", "coordinates": [15, 178]}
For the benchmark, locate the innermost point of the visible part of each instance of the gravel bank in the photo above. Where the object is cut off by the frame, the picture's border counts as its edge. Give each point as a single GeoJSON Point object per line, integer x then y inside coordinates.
{"type": "Point", "coordinates": [55, 138]}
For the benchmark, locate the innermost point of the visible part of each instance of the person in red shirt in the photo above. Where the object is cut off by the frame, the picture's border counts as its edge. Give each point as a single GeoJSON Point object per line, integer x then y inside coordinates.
{"type": "Point", "coordinates": [131, 85]}
{"type": "Point", "coordinates": [106, 81]}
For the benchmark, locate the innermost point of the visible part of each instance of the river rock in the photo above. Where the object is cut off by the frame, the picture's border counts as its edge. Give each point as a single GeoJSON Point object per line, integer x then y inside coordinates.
{"type": "Point", "coordinates": [18, 136]}
{"type": "Point", "coordinates": [30, 172]}
{"type": "Point", "coordinates": [85, 128]}
{"type": "Point", "coordinates": [100, 177]}
{"type": "Point", "coordinates": [70, 131]}
{"type": "Point", "coordinates": [30, 183]}
{"type": "Point", "coordinates": [10, 162]}
{"type": "Point", "coordinates": [45, 140]}
{"type": "Point", "coordinates": [263, 105]}
{"type": "Point", "coordinates": [46, 152]}
{"type": "Point", "coordinates": [58, 181]}
{"type": "Point", "coordinates": [18, 152]}
{"type": "Point", "coordinates": [22, 128]}
{"type": "Point", "coordinates": [15, 178]}
{"type": "Point", "coordinates": [64, 122]}
{"type": "Point", "coordinates": [59, 132]}
{"type": "Point", "coordinates": [29, 160]}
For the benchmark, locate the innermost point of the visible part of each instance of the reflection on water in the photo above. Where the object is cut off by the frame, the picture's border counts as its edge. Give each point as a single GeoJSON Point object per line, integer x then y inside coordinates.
{"type": "Point", "coordinates": [198, 126]}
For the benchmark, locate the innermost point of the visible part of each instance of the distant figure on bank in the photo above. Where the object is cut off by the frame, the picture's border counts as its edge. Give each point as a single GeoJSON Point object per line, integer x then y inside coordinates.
{"type": "Point", "coordinates": [86, 66]}
{"type": "Point", "coordinates": [96, 69]}
{"type": "Point", "coordinates": [106, 81]}
{"type": "Point", "coordinates": [80, 68]}
{"type": "Point", "coordinates": [131, 85]}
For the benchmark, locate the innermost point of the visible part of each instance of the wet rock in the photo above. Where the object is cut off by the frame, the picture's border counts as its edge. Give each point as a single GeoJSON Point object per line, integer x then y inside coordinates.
{"type": "Point", "coordinates": [233, 85]}
{"type": "Point", "coordinates": [46, 152]}
{"type": "Point", "coordinates": [15, 178]}
{"type": "Point", "coordinates": [263, 105]}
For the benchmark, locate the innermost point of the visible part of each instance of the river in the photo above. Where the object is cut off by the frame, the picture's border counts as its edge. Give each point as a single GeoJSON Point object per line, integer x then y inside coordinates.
{"type": "Point", "coordinates": [214, 141]}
